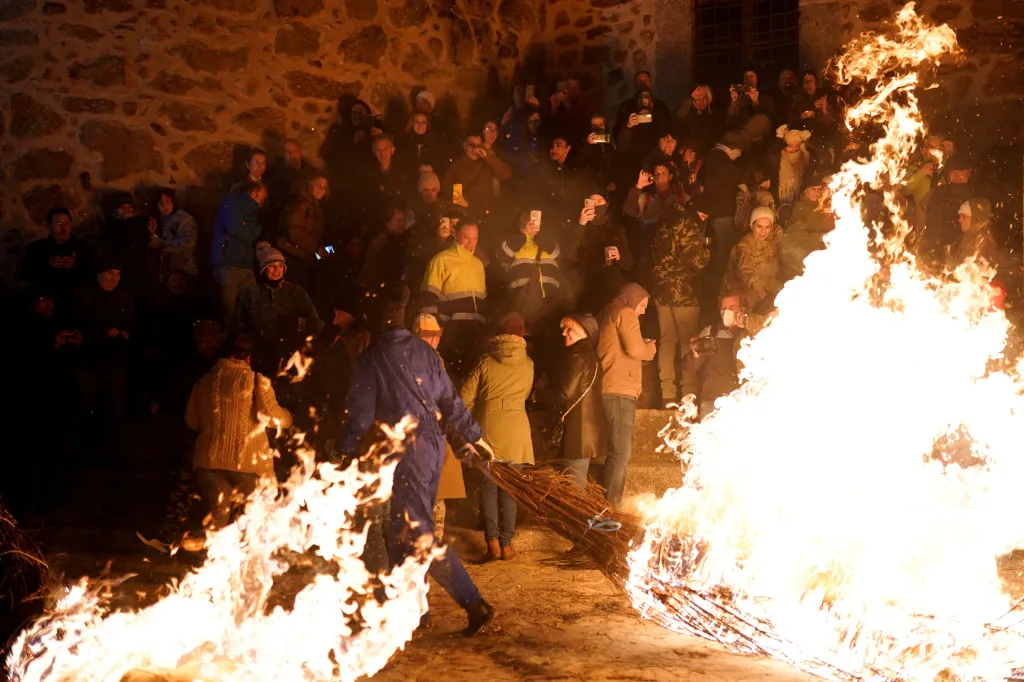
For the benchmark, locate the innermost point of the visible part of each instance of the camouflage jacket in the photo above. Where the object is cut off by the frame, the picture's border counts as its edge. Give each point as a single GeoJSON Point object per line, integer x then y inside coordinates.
{"type": "Point", "coordinates": [678, 253]}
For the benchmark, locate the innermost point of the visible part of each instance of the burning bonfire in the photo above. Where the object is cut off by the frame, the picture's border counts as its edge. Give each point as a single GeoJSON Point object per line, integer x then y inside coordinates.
{"type": "Point", "coordinates": [818, 522]}
{"type": "Point", "coordinates": [216, 625]}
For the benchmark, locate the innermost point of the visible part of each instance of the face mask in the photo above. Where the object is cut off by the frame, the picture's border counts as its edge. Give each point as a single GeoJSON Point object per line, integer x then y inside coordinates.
{"type": "Point", "coordinates": [728, 317]}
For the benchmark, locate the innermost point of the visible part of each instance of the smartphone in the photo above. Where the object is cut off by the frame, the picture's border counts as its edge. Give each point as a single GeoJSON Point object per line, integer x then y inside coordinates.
{"type": "Point", "coordinates": [535, 217]}
{"type": "Point", "coordinates": [329, 249]}
{"type": "Point", "coordinates": [376, 121]}
{"type": "Point", "coordinates": [644, 118]}
{"type": "Point", "coordinates": [317, 256]}
{"type": "Point", "coordinates": [603, 138]}
{"type": "Point", "coordinates": [530, 91]}
{"type": "Point", "coordinates": [445, 225]}
{"type": "Point", "coordinates": [456, 191]}
{"type": "Point", "coordinates": [588, 203]}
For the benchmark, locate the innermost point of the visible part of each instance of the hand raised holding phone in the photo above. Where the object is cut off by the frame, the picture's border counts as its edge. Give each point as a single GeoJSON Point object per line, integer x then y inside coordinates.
{"type": "Point", "coordinates": [644, 180]}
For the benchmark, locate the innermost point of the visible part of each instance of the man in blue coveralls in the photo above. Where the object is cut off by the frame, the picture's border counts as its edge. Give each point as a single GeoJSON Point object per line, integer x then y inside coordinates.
{"type": "Point", "coordinates": [400, 374]}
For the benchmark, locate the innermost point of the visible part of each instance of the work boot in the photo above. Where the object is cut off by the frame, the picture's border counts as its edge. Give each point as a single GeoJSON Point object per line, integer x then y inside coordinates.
{"type": "Point", "coordinates": [493, 550]}
{"type": "Point", "coordinates": [480, 614]}
{"type": "Point", "coordinates": [508, 554]}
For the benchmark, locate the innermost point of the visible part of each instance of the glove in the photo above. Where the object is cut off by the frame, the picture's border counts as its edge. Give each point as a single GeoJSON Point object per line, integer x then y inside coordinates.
{"type": "Point", "coordinates": [475, 454]}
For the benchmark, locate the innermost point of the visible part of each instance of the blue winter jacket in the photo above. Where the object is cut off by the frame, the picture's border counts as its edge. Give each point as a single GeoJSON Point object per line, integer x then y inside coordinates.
{"type": "Point", "coordinates": [235, 232]}
{"type": "Point", "coordinates": [401, 374]}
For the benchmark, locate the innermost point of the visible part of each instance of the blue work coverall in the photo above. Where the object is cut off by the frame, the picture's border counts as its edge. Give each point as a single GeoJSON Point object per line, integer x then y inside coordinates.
{"type": "Point", "coordinates": [401, 374]}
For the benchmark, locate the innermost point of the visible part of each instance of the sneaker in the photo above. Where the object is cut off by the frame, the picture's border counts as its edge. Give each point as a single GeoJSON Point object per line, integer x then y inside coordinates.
{"type": "Point", "coordinates": [480, 614]}
{"type": "Point", "coordinates": [493, 550]}
{"type": "Point", "coordinates": [508, 554]}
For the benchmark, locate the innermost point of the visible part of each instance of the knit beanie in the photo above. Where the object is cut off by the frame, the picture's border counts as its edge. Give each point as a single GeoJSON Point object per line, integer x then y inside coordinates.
{"type": "Point", "coordinates": [587, 321]}
{"type": "Point", "coordinates": [424, 177]}
{"type": "Point", "coordinates": [266, 255]}
{"type": "Point", "coordinates": [761, 212]}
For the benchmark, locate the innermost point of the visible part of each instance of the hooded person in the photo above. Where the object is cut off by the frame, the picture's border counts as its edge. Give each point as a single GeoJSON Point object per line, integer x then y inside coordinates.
{"type": "Point", "coordinates": [495, 392]}
{"type": "Point", "coordinates": [622, 351]}
{"type": "Point", "coordinates": [603, 255]}
{"type": "Point", "coordinates": [794, 163]}
{"type": "Point", "coordinates": [977, 241]}
{"type": "Point", "coordinates": [279, 315]}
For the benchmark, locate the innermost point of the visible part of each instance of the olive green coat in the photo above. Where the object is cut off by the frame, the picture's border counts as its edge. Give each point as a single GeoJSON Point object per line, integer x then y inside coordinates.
{"type": "Point", "coordinates": [496, 392]}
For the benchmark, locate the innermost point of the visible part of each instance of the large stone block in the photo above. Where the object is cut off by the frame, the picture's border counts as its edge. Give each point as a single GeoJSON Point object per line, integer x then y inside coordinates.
{"type": "Point", "coordinates": [41, 198]}
{"type": "Point", "coordinates": [213, 161]}
{"type": "Point", "coordinates": [517, 14]}
{"type": "Point", "coordinates": [125, 151]}
{"type": "Point", "coordinates": [419, 65]}
{"type": "Point", "coordinates": [262, 120]}
{"type": "Point", "coordinates": [297, 40]}
{"type": "Point", "coordinates": [29, 118]}
{"type": "Point", "coordinates": [103, 71]}
{"type": "Point", "coordinates": [16, 9]}
{"type": "Point", "coordinates": [298, 8]}
{"type": "Point", "coordinates": [410, 13]}
{"type": "Point", "coordinates": [172, 83]}
{"type": "Point", "coordinates": [18, 37]}
{"type": "Point", "coordinates": [86, 33]}
{"type": "Point", "coordinates": [211, 60]}
{"type": "Point", "coordinates": [95, 6]}
{"type": "Point", "coordinates": [17, 70]}
{"type": "Point", "coordinates": [366, 46]}
{"type": "Point", "coordinates": [364, 10]}
{"type": "Point", "coordinates": [43, 164]}
{"type": "Point", "coordinates": [304, 84]}
{"type": "Point", "coordinates": [236, 6]}
{"type": "Point", "coordinates": [187, 117]}
{"type": "Point", "coordinates": [80, 105]}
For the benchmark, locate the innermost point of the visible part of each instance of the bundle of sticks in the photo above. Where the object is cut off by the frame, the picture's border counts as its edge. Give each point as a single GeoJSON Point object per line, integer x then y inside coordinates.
{"type": "Point", "coordinates": [583, 516]}
{"type": "Point", "coordinates": [579, 514]}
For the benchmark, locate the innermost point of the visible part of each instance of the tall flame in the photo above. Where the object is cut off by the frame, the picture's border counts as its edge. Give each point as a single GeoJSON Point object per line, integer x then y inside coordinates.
{"type": "Point", "coordinates": [216, 625]}
{"type": "Point", "coordinates": [814, 518]}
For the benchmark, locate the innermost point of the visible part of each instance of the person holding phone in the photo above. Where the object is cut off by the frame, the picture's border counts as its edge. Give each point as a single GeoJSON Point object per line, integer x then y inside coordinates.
{"type": "Point", "coordinates": [654, 194]}
{"type": "Point", "coordinates": [603, 257]}
{"type": "Point", "coordinates": [302, 229]}
{"type": "Point", "coordinates": [531, 263]}
{"type": "Point", "coordinates": [659, 111]}
{"type": "Point", "coordinates": [477, 174]}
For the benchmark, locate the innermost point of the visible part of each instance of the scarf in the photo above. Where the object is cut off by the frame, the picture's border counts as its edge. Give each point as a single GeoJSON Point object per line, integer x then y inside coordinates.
{"type": "Point", "coordinates": [733, 154]}
{"type": "Point", "coordinates": [791, 174]}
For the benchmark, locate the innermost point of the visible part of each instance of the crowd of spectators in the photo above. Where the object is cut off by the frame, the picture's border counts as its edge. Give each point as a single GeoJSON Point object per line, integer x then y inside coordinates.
{"type": "Point", "coordinates": [535, 240]}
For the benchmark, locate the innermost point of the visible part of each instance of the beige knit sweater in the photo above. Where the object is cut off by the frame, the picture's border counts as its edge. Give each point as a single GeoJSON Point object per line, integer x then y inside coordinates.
{"type": "Point", "coordinates": [232, 435]}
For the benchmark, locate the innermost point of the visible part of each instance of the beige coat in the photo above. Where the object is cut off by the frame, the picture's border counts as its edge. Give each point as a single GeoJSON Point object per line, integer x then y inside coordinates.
{"type": "Point", "coordinates": [221, 410]}
{"type": "Point", "coordinates": [496, 392]}
{"type": "Point", "coordinates": [622, 349]}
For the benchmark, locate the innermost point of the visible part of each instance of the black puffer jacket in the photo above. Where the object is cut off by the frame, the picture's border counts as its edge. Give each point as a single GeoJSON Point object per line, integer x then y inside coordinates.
{"type": "Point", "coordinates": [584, 426]}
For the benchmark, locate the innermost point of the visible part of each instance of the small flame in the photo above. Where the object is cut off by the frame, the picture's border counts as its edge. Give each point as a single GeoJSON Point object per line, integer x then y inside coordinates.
{"type": "Point", "coordinates": [817, 522]}
{"type": "Point", "coordinates": [215, 624]}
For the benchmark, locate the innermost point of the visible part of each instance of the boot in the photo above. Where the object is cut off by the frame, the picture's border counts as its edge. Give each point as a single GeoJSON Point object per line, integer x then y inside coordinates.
{"type": "Point", "coordinates": [493, 550]}
{"type": "Point", "coordinates": [480, 614]}
{"type": "Point", "coordinates": [508, 554]}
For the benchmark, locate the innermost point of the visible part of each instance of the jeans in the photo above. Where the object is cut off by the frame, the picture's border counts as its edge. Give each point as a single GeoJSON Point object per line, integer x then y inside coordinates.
{"type": "Point", "coordinates": [620, 413]}
{"type": "Point", "coordinates": [493, 497]}
{"type": "Point", "coordinates": [218, 487]}
{"type": "Point", "coordinates": [678, 325]}
{"type": "Point", "coordinates": [231, 282]}
{"type": "Point", "coordinates": [577, 467]}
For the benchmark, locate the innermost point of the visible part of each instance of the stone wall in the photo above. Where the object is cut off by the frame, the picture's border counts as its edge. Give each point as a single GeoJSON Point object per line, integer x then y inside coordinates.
{"type": "Point", "coordinates": [972, 97]}
{"type": "Point", "coordinates": [148, 92]}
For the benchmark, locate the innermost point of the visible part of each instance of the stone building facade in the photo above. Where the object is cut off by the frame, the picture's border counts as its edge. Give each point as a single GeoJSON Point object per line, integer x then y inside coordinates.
{"type": "Point", "coordinates": [101, 94]}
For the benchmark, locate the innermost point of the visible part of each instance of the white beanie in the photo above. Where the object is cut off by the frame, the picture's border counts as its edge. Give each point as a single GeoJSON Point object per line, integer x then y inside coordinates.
{"type": "Point", "coordinates": [428, 96]}
{"type": "Point", "coordinates": [965, 209]}
{"type": "Point", "coordinates": [762, 212]}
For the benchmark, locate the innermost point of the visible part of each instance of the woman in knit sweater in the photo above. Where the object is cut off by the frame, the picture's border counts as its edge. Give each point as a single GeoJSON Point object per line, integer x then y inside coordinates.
{"type": "Point", "coordinates": [231, 407]}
